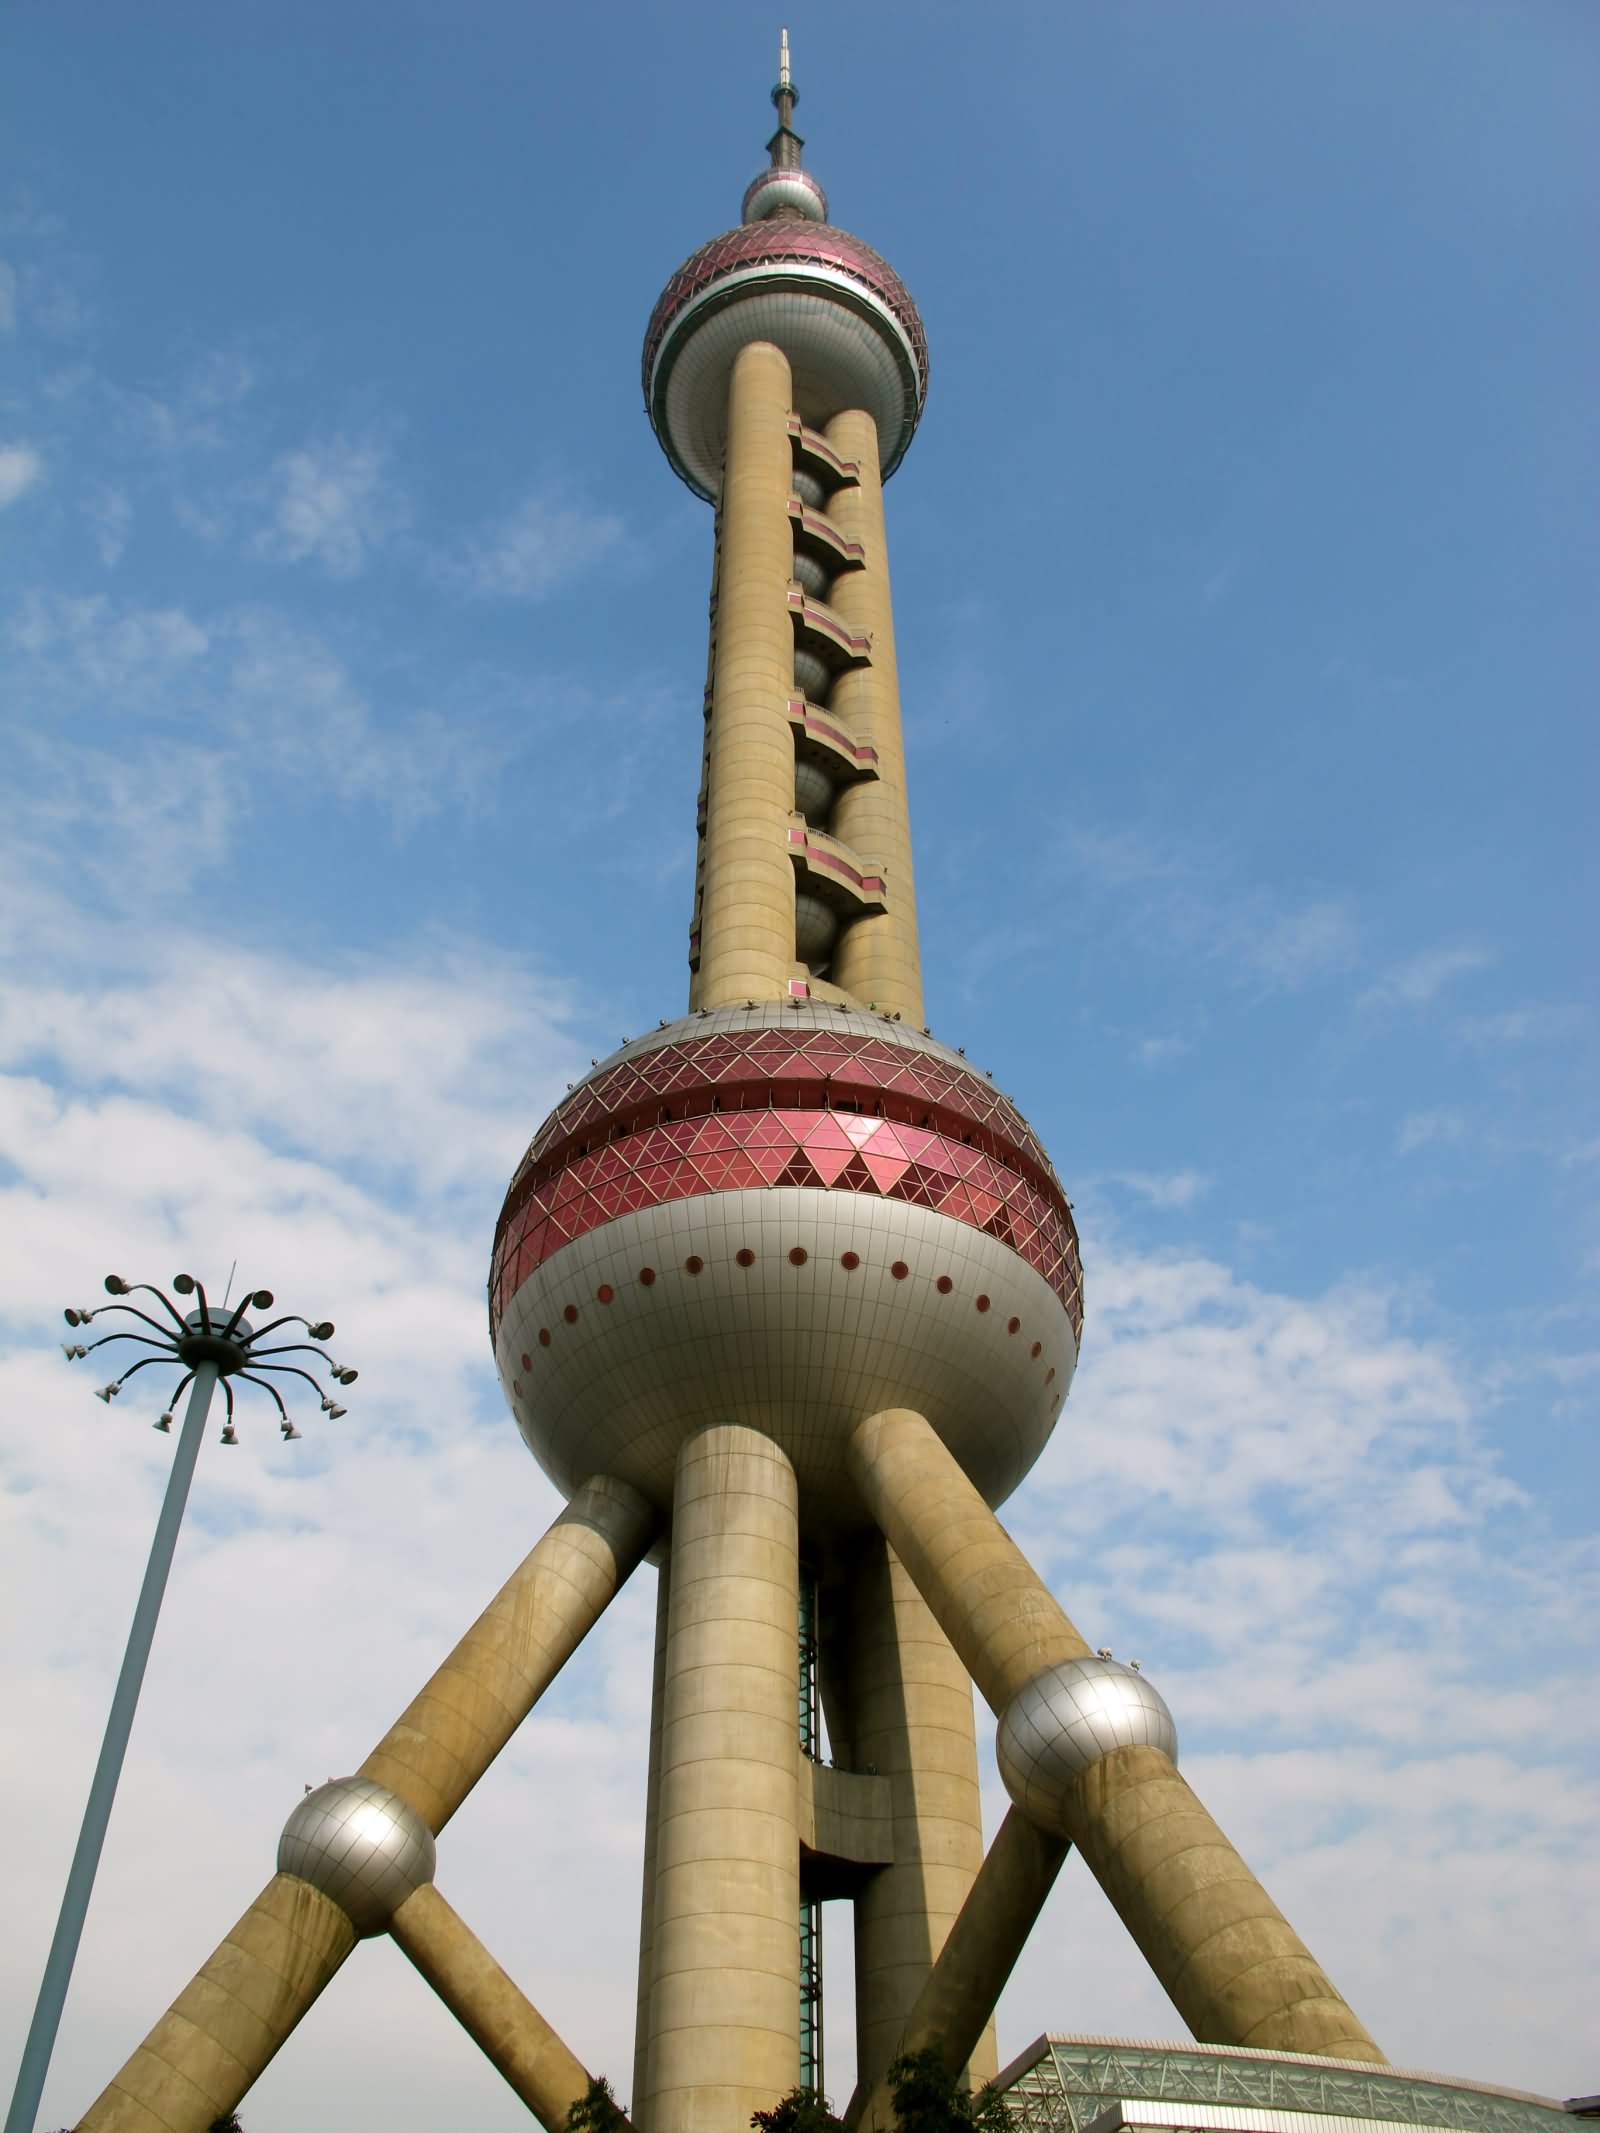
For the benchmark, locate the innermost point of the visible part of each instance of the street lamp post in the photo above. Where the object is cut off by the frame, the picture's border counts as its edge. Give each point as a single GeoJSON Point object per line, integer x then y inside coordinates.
{"type": "Point", "coordinates": [212, 1348]}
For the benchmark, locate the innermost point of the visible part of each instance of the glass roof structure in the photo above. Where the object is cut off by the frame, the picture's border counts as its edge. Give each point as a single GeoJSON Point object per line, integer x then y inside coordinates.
{"type": "Point", "coordinates": [1064, 2084]}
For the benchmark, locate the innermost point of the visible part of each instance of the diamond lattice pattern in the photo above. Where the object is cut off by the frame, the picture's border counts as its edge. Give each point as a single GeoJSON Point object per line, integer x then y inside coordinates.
{"type": "Point", "coordinates": [730, 1151]}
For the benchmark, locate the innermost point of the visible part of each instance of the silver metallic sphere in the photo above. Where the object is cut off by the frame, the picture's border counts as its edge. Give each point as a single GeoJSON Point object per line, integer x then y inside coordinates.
{"type": "Point", "coordinates": [770, 190]}
{"type": "Point", "coordinates": [813, 791]}
{"type": "Point", "coordinates": [813, 676]}
{"type": "Point", "coordinates": [806, 486]}
{"type": "Point", "coordinates": [816, 928]}
{"type": "Point", "coordinates": [1068, 1717]}
{"type": "Point", "coordinates": [361, 1846]}
{"type": "Point", "coordinates": [812, 573]}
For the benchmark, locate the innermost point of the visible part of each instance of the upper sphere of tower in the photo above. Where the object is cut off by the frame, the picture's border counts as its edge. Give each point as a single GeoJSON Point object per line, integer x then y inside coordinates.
{"type": "Point", "coordinates": [835, 307]}
{"type": "Point", "coordinates": [772, 189]}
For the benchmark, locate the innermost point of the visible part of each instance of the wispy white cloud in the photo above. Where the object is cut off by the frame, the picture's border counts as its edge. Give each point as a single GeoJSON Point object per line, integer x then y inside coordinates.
{"type": "Point", "coordinates": [1169, 1189]}
{"type": "Point", "coordinates": [1424, 1129]}
{"type": "Point", "coordinates": [1160, 1051]}
{"type": "Point", "coordinates": [534, 550]}
{"type": "Point", "coordinates": [1535, 1023]}
{"type": "Point", "coordinates": [1419, 981]}
{"type": "Point", "coordinates": [110, 516]}
{"type": "Point", "coordinates": [21, 467]}
{"type": "Point", "coordinates": [336, 503]}
{"type": "Point", "coordinates": [1187, 900]}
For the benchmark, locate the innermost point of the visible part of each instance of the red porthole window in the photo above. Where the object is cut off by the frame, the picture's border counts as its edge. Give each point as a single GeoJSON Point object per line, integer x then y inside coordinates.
{"type": "Point", "coordinates": [570, 1314]}
{"type": "Point", "coordinates": [944, 1284]}
{"type": "Point", "coordinates": [849, 1261]}
{"type": "Point", "coordinates": [544, 1336]}
{"type": "Point", "coordinates": [647, 1275]}
{"type": "Point", "coordinates": [899, 1270]}
{"type": "Point", "coordinates": [604, 1293]}
{"type": "Point", "coordinates": [798, 1255]}
{"type": "Point", "coordinates": [745, 1256]}
{"type": "Point", "coordinates": [982, 1303]}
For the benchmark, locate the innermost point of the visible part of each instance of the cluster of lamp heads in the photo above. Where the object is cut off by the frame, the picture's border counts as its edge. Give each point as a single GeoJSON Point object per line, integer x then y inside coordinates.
{"type": "Point", "coordinates": [215, 1335]}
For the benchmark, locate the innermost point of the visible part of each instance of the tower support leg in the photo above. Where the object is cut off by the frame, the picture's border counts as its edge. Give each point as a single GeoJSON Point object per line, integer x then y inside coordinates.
{"type": "Point", "coordinates": [977, 1958]}
{"type": "Point", "coordinates": [452, 1730]}
{"type": "Point", "coordinates": [506, 2027]}
{"type": "Point", "coordinates": [223, 2028]}
{"type": "Point", "coordinates": [725, 1992]}
{"type": "Point", "coordinates": [647, 1899]}
{"type": "Point", "coordinates": [1233, 1966]}
{"type": "Point", "coordinates": [908, 1713]}
{"type": "Point", "coordinates": [219, 2034]}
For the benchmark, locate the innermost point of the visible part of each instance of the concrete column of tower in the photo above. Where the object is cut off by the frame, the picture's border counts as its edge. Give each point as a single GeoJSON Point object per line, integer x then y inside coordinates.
{"type": "Point", "coordinates": [224, 2028]}
{"type": "Point", "coordinates": [747, 896]}
{"type": "Point", "coordinates": [495, 2013]}
{"type": "Point", "coordinates": [877, 959]}
{"type": "Point", "coordinates": [978, 1956]}
{"type": "Point", "coordinates": [456, 1725]}
{"type": "Point", "coordinates": [725, 1944]}
{"type": "Point", "coordinates": [647, 1894]}
{"type": "Point", "coordinates": [907, 1707]}
{"type": "Point", "coordinates": [1231, 1963]}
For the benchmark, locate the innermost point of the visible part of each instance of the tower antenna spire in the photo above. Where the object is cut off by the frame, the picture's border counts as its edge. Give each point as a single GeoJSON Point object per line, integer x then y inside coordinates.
{"type": "Point", "coordinates": [786, 144]}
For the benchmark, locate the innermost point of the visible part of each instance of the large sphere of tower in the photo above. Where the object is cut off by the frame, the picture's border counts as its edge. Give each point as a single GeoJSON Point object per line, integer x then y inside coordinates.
{"type": "Point", "coordinates": [792, 1215]}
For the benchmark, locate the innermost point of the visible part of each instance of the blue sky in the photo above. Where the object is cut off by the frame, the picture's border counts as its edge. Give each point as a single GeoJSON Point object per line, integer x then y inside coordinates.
{"type": "Point", "coordinates": [350, 661]}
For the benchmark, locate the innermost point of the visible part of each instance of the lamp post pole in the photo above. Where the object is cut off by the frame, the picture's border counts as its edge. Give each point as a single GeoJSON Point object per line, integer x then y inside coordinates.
{"type": "Point", "coordinates": [214, 1347]}
{"type": "Point", "coordinates": [97, 1815]}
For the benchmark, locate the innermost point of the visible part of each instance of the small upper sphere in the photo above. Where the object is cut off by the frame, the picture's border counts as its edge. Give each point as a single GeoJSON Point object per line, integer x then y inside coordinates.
{"type": "Point", "coordinates": [361, 1845]}
{"type": "Point", "coordinates": [770, 190]}
{"type": "Point", "coordinates": [1067, 1718]}
{"type": "Point", "coordinates": [837, 309]}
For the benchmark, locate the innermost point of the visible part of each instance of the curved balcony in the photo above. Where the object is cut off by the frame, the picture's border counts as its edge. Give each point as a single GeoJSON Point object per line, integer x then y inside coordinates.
{"type": "Point", "coordinates": [834, 873]}
{"type": "Point", "coordinates": [828, 741]}
{"type": "Point", "coordinates": [825, 633]}
{"type": "Point", "coordinates": [813, 530]}
{"type": "Point", "coordinates": [813, 452]}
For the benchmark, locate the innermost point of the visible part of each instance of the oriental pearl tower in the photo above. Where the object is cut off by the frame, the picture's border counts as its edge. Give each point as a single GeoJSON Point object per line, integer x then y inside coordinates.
{"type": "Point", "coordinates": [786, 1297]}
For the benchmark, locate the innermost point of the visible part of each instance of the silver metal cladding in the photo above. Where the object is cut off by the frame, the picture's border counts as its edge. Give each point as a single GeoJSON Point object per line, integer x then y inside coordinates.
{"type": "Point", "coordinates": [1066, 1719]}
{"type": "Point", "coordinates": [361, 1845]}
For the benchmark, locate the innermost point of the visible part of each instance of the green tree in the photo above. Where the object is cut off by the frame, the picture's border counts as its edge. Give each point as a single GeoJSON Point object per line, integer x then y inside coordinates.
{"type": "Point", "coordinates": [801, 2111]}
{"type": "Point", "coordinates": [597, 2110]}
{"type": "Point", "coordinates": [928, 2100]}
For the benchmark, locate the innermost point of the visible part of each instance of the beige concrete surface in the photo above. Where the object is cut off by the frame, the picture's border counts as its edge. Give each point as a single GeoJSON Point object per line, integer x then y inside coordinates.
{"type": "Point", "coordinates": [905, 1704]}
{"type": "Point", "coordinates": [877, 959]}
{"type": "Point", "coordinates": [984, 1593]}
{"type": "Point", "coordinates": [747, 893]}
{"type": "Point", "coordinates": [1231, 1963]}
{"type": "Point", "coordinates": [453, 1729]}
{"type": "Point", "coordinates": [506, 2027]}
{"type": "Point", "coordinates": [978, 1957]}
{"type": "Point", "coordinates": [725, 1988]}
{"type": "Point", "coordinates": [224, 2027]}
{"type": "Point", "coordinates": [647, 1894]}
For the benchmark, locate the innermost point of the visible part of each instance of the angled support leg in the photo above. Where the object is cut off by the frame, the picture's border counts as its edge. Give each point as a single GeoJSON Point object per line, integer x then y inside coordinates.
{"type": "Point", "coordinates": [358, 1847]}
{"type": "Point", "coordinates": [956, 2002]}
{"type": "Point", "coordinates": [506, 2027]}
{"type": "Point", "coordinates": [221, 2031]}
{"type": "Point", "coordinates": [1233, 1966]}
{"type": "Point", "coordinates": [450, 1733]}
